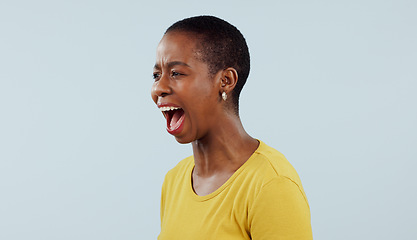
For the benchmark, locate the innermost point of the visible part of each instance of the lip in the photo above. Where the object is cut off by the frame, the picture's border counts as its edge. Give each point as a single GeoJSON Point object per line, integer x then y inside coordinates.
{"type": "Point", "coordinates": [167, 105]}
{"type": "Point", "coordinates": [159, 105]}
{"type": "Point", "coordinates": [179, 128]}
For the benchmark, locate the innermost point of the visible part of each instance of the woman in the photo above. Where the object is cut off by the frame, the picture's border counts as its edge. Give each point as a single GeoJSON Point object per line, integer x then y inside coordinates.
{"type": "Point", "coordinates": [234, 186]}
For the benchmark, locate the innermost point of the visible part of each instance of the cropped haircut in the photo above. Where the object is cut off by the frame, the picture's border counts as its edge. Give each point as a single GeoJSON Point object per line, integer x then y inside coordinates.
{"type": "Point", "coordinates": [220, 45]}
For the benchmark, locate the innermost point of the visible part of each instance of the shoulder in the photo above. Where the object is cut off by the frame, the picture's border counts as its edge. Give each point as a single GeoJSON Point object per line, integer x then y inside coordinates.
{"type": "Point", "coordinates": [180, 170]}
{"type": "Point", "coordinates": [273, 164]}
{"type": "Point", "coordinates": [279, 207]}
{"type": "Point", "coordinates": [183, 165]}
{"type": "Point", "coordinates": [269, 170]}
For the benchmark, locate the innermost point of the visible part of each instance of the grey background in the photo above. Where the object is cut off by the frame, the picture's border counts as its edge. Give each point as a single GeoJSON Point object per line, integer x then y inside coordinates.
{"type": "Point", "coordinates": [83, 149]}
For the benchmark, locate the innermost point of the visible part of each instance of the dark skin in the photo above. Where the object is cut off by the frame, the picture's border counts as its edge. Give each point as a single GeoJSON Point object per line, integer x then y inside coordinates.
{"type": "Point", "coordinates": [220, 143]}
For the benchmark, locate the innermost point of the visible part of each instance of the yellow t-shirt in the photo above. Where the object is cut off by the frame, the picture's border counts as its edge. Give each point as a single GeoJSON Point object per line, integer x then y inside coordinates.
{"type": "Point", "coordinates": [263, 199]}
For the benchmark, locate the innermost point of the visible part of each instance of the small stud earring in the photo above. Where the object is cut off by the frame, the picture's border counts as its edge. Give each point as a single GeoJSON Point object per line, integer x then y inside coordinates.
{"type": "Point", "coordinates": [224, 96]}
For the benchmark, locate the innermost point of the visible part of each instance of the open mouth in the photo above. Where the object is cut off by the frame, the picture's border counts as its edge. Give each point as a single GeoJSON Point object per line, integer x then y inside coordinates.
{"type": "Point", "coordinates": [175, 118]}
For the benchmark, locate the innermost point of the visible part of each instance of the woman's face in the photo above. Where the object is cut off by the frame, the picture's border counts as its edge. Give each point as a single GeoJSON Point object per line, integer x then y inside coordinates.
{"type": "Point", "coordinates": [183, 89]}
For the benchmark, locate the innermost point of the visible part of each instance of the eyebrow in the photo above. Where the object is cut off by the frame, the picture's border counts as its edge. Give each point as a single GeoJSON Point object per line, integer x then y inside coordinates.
{"type": "Point", "coordinates": [171, 64]}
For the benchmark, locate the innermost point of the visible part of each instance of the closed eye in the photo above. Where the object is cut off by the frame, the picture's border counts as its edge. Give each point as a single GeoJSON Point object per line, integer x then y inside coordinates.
{"type": "Point", "coordinates": [176, 74]}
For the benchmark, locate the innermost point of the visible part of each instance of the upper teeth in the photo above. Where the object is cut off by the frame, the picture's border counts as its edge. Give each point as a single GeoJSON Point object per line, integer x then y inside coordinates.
{"type": "Point", "coordinates": [163, 109]}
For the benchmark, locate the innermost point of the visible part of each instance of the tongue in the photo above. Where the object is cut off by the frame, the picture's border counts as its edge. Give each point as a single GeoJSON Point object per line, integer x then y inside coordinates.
{"type": "Point", "coordinates": [174, 120]}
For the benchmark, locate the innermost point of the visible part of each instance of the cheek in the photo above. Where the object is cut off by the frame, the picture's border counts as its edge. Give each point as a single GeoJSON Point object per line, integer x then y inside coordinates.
{"type": "Point", "coordinates": [209, 94]}
{"type": "Point", "coordinates": [204, 88]}
{"type": "Point", "coordinates": [204, 98]}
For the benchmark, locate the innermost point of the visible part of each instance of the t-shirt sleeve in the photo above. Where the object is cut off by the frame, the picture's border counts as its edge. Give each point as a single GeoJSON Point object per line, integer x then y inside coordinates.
{"type": "Point", "coordinates": [280, 211]}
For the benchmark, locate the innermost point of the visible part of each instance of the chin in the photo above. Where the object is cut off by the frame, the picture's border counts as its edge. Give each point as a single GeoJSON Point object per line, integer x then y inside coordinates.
{"type": "Point", "coordinates": [182, 140]}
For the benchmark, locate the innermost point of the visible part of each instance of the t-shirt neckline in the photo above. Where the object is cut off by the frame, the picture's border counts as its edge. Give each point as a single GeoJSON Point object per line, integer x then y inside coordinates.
{"type": "Point", "coordinates": [226, 184]}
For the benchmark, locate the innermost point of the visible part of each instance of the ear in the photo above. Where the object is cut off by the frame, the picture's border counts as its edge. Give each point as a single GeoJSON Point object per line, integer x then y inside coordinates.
{"type": "Point", "coordinates": [229, 78]}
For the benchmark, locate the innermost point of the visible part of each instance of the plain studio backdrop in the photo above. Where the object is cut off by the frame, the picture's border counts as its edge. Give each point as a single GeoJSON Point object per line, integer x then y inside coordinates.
{"type": "Point", "coordinates": [84, 150]}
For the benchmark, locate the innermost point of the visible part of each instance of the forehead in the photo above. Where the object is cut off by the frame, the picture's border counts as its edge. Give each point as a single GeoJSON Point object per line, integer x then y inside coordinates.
{"type": "Point", "coordinates": [176, 46]}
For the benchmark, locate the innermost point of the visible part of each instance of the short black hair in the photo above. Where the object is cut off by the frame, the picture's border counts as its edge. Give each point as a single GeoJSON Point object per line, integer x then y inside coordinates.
{"type": "Point", "coordinates": [221, 45]}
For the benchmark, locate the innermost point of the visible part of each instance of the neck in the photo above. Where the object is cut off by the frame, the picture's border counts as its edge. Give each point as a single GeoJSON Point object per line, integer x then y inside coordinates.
{"type": "Point", "coordinates": [224, 149]}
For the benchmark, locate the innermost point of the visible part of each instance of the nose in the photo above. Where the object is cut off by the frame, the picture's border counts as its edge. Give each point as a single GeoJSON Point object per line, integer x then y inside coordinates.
{"type": "Point", "coordinates": [161, 88]}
